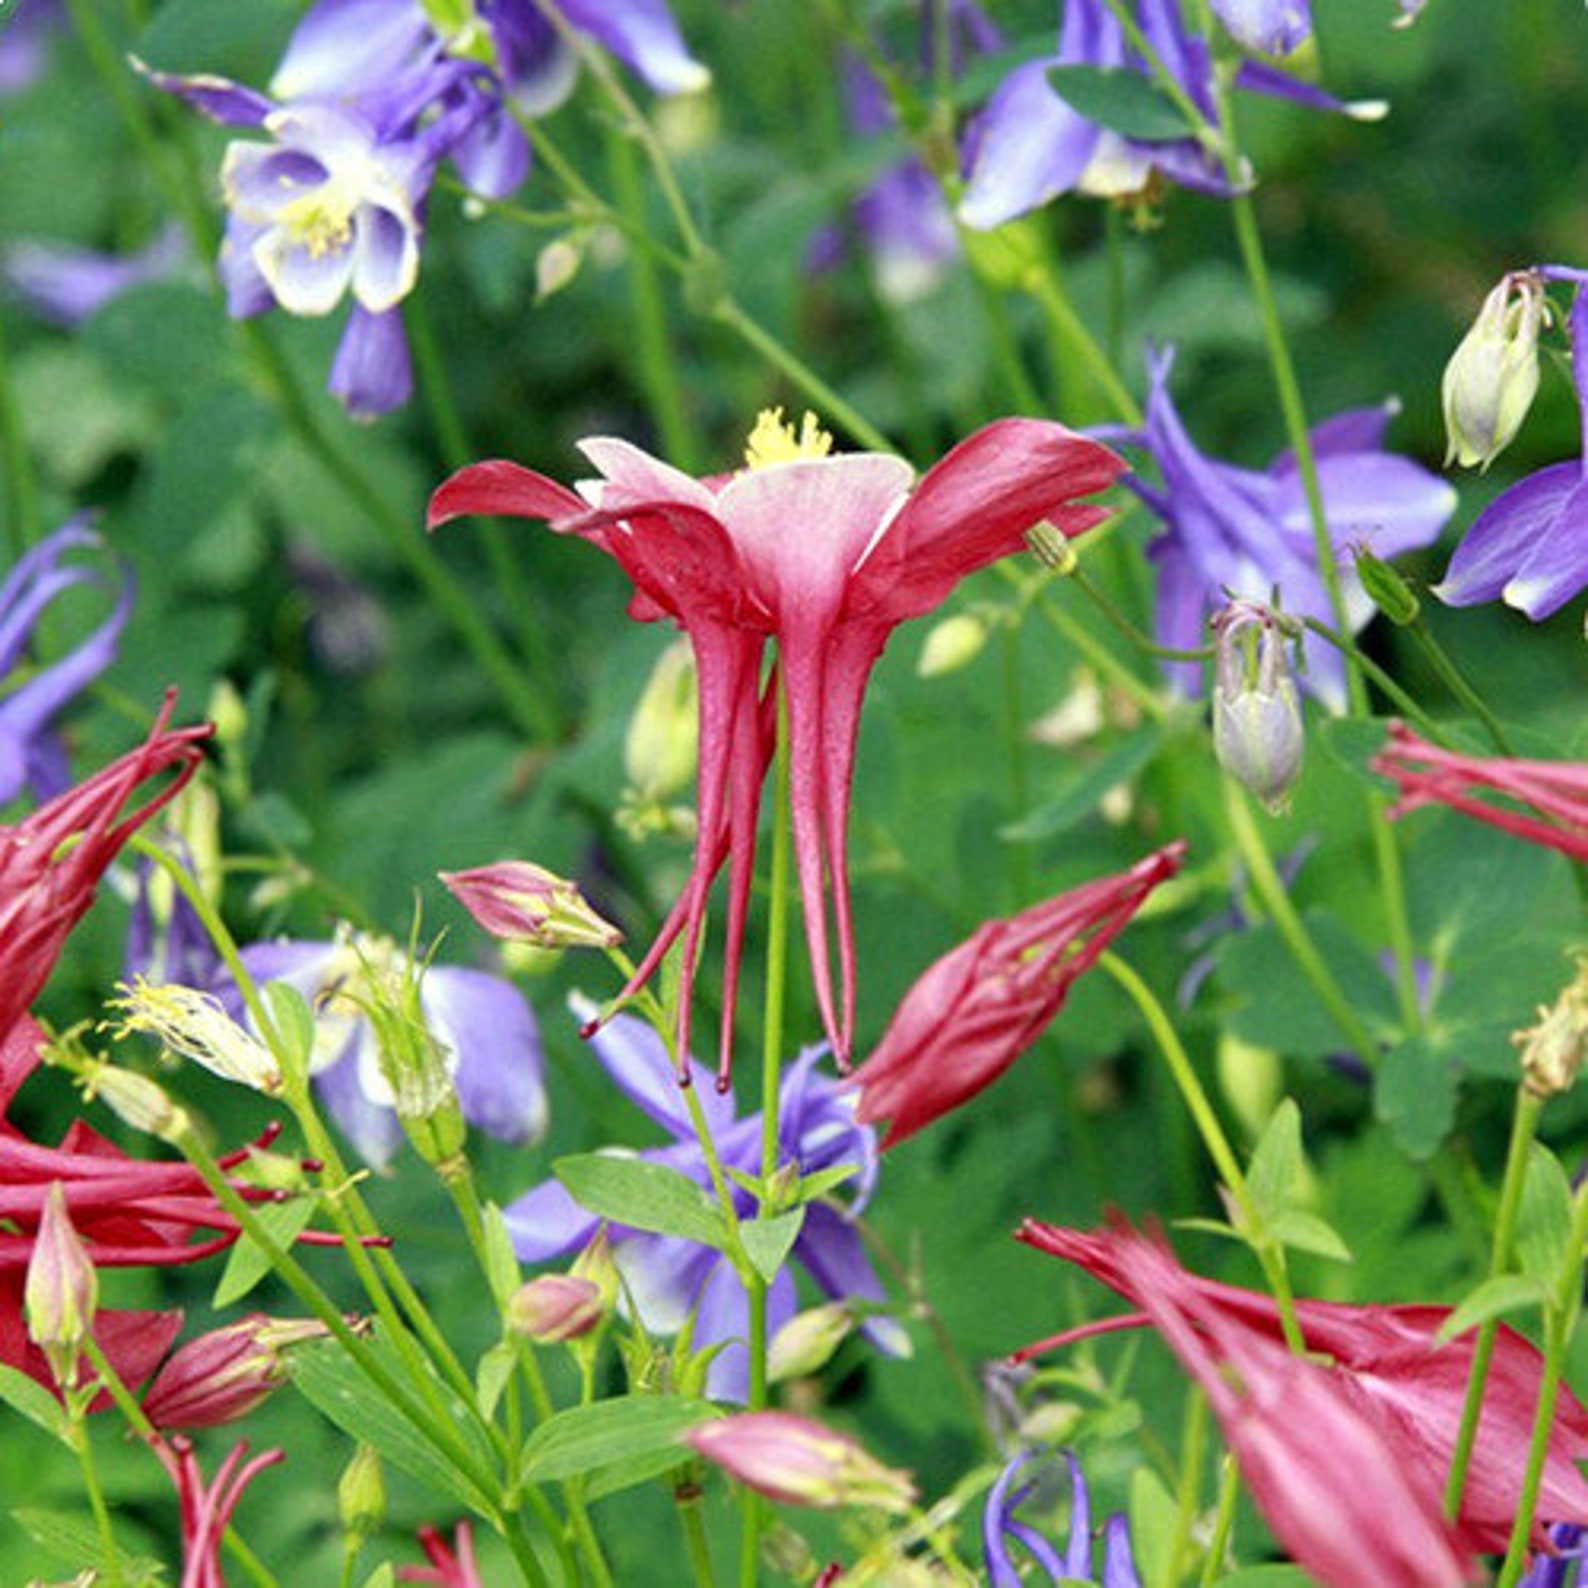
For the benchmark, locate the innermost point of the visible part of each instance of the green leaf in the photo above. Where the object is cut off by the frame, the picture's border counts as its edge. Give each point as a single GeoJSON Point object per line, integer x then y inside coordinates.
{"type": "Point", "coordinates": [1543, 1225]}
{"type": "Point", "coordinates": [382, 1576]}
{"type": "Point", "coordinates": [501, 1263]}
{"type": "Point", "coordinates": [1226, 1232]}
{"type": "Point", "coordinates": [1414, 1093]}
{"type": "Point", "coordinates": [1268, 1577]}
{"type": "Point", "coordinates": [293, 1022]}
{"type": "Point", "coordinates": [1122, 100]}
{"type": "Point", "coordinates": [491, 1376]}
{"type": "Point", "coordinates": [1153, 1517]}
{"type": "Point", "coordinates": [74, 1540]}
{"type": "Point", "coordinates": [819, 1184]}
{"type": "Point", "coordinates": [1306, 1232]}
{"type": "Point", "coordinates": [342, 1393]}
{"type": "Point", "coordinates": [768, 1241]}
{"type": "Point", "coordinates": [1079, 800]}
{"type": "Point", "coordinates": [645, 1196]}
{"type": "Point", "coordinates": [587, 1439]}
{"type": "Point", "coordinates": [29, 1397]}
{"type": "Point", "coordinates": [1494, 1297]}
{"type": "Point", "coordinates": [1276, 1162]}
{"type": "Point", "coordinates": [247, 1264]}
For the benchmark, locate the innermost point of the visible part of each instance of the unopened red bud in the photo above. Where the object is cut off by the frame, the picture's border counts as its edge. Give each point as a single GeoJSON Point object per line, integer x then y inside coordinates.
{"type": "Point", "coordinates": [555, 1307]}
{"type": "Point", "coordinates": [223, 1375]}
{"type": "Point", "coordinates": [61, 1290]}
{"type": "Point", "coordinates": [525, 903]}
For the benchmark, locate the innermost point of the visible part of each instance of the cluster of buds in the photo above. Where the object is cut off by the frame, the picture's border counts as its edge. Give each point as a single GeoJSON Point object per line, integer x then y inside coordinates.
{"type": "Point", "coordinates": [1257, 733]}
{"type": "Point", "coordinates": [1492, 377]}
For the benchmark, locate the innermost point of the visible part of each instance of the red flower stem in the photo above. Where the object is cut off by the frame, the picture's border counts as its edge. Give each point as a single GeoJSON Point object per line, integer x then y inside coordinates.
{"type": "Point", "coordinates": [1253, 1231]}
{"type": "Point", "coordinates": [1523, 1124]}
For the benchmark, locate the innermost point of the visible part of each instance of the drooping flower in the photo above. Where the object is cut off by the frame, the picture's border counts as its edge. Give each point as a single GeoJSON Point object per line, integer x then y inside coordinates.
{"type": "Point", "coordinates": [453, 1567]}
{"type": "Point", "coordinates": [1257, 729]}
{"type": "Point", "coordinates": [224, 1374]}
{"type": "Point", "coordinates": [46, 884]}
{"type": "Point", "coordinates": [30, 754]}
{"type": "Point", "coordinates": [797, 1461]}
{"type": "Point", "coordinates": [668, 1278]}
{"type": "Point", "coordinates": [1030, 145]}
{"type": "Point", "coordinates": [826, 554]}
{"type": "Point", "coordinates": [1529, 546]}
{"type": "Point", "coordinates": [976, 1010]}
{"type": "Point", "coordinates": [491, 1047]}
{"type": "Point", "coordinates": [207, 1508]}
{"type": "Point", "coordinates": [1385, 1361]}
{"type": "Point", "coordinates": [65, 284]}
{"type": "Point", "coordinates": [1553, 794]}
{"type": "Point", "coordinates": [1001, 1528]}
{"type": "Point", "coordinates": [1244, 531]}
{"type": "Point", "coordinates": [1492, 377]}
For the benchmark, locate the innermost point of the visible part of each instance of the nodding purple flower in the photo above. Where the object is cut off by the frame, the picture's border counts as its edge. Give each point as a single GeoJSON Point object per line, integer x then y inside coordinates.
{"type": "Point", "coordinates": [1030, 145]}
{"type": "Point", "coordinates": [1235, 531]}
{"type": "Point", "coordinates": [485, 1028]}
{"type": "Point", "coordinates": [667, 1278]}
{"type": "Point", "coordinates": [24, 43]}
{"type": "Point", "coordinates": [1274, 27]}
{"type": "Point", "coordinates": [1529, 546]}
{"type": "Point", "coordinates": [1001, 1528]}
{"type": "Point", "coordinates": [65, 284]}
{"type": "Point", "coordinates": [31, 756]}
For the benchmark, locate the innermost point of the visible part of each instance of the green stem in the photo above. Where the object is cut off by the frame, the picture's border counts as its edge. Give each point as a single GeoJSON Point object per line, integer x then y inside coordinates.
{"type": "Point", "coordinates": [1404, 702]}
{"type": "Point", "coordinates": [82, 1448]}
{"type": "Point", "coordinates": [1224, 1525]}
{"type": "Point", "coordinates": [697, 1546]}
{"type": "Point", "coordinates": [1455, 681]}
{"type": "Point", "coordinates": [23, 524]}
{"type": "Point", "coordinates": [1070, 334]}
{"type": "Point", "coordinates": [1193, 1447]}
{"type": "Point", "coordinates": [1117, 620]}
{"type": "Point", "coordinates": [1524, 1122]}
{"type": "Point", "coordinates": [1200, 1107]}
{"type": "Point", "coordinates": [1271, 890]}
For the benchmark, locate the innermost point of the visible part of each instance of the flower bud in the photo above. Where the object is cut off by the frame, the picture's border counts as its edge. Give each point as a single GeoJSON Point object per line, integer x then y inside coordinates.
{"type": "Point", "coordinates": [526, 903]}
{"type": "Point", "coordinates": [798, 1462]}
{"type": "Point", "coordinates": [552, 1308]}
{"type": "Point", "coordinates": [223, 1375]}
{"type": "Point", "coordinates": [61, 1291]}
{"type": "Point", "coordinates": [660, 748]}
{"type": "Point", "coordinates": [361, 1494]}
{"type": "Point", "coordinates": [1051, 547]}
{"type": "Point", "coordinates": [1491, 378]}
{"type": "Point", "coordinates": [556, 265]}
{"type": "Point", "coordinates": [1257, 733]}
{"type": "Point", "coordinates": [805, 1344]}
{"type": "Point", "coordinates": [1385, 587]}
{"type": "Point", "coordinates": [596, 1264]}
{"type": "Point", "coordinates": [1553, 1051]}
{"type": "Point", "coordinates": [194, 1025]}
{"type": "Point", "coordinates": [952, 644]}
{"type": "Point", "coordinates": [141, 1103]}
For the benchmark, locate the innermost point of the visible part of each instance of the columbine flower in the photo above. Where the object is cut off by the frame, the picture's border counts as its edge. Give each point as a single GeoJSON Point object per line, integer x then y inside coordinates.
{"type": "Point", "coordinates": [1529, 546]}
{"type": "Point", "coordinates": [799, 1462]}
{"type": "Point", "coordinates": [1241, 531]}
{"type": "Point", "coordinates": [525, 903]}
{"type": "Point", "coordinates": [66, 285]}
{"type": "Point", "coordinates": [975, 1011]}
{"type": "Point", "coordinates": [449, 1568]}
{"type": "Point", "coordinates": [1274, 27]}
{"type": "Point", "coordinates": [1568, 1545]}
{"type": "Point", "coordinates": [47, 884]}
{"type": "Point", "coordinates": [1000, 1528]}
{"type": "Point", "coordinates": [30, 755]}
{"type": "Point", "coordinates": [25, 42]}
{"type": "Point", "coordinates": [207, 1508]}
{"type": "Point", "coordinates": [491, 1046]}
{"type": "Point", "coordinates": [222, 1375]}
{"type": "Point", "coordinates": [665, 1277]}
{"type": "Point", "coordinates": [1554, 792]}
{"type": "Point", "coordinates": [826, 554]}
{"type": "Point", "coordinates": [1388, 1361]}
{"type": "Point", "coordinates": [1492, 376]}
{"type": "Point", "coordinates": [1029, 145]}
{"type": "Point", "coordinates": [1257, 732]}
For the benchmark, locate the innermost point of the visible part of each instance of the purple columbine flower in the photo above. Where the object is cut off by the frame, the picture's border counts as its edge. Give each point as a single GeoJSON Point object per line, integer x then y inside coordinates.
{"type": "Point", "coordinates": [65, 284]}
{"type": "Point", "coordinates": [666, 1277]}
{"type": "Point", "coordinates": [1236, 531]}
{"type": "Point", "coordinates": [1561, 1569]}
{"type": "Point", "coordinates": [1529, 546]}
{"type": "Point", "coordinates": [31, 756]}
{"type": "Point", "coordinates": [1274, 27]}
{"type": "Point", "coordinates": [1029, 145]}
{"type": "Point", "coordinates": [482, 1021]}
{"type": "Point", "coordinates": [25, 42]}
{"type": "Point", "coordinates": [1001, 1528]}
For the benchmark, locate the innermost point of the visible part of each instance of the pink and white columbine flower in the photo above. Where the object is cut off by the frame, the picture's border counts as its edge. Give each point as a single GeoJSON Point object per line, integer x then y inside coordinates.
{"type": "Point", "coordinates": [826, 554]}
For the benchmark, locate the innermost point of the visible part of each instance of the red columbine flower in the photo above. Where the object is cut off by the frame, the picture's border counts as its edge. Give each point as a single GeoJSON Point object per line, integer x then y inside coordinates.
{"type": "Point", "coordinates": [826, 555]}
{"type": "Point", "coordinates": [1556, 791]}
{"type": "Point", "coordinates": [207, 1508]}
{"type": "Point", "coordinates": [1390, 1360]}
{"type": "Point", "coordinates": [45, 888]}
{"type": "Point", "coordinates": [975, 1011]}
{"type": "Point", "coordinates": [449, 1568]}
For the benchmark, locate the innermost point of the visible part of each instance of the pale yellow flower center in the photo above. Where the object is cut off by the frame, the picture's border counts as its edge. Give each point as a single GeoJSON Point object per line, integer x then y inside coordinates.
{"type": "Point", "coordinates": [320, 226]}
{"type": "Point", "coordinates": [775, 441]}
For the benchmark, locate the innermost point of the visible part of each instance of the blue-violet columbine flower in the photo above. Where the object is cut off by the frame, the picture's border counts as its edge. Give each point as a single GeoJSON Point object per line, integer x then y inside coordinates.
{"type": "Point", "coordinates": [31, 756]}
{"type": "Point", "coordinates": [65, 284]}
{"type": "Point", "coordinates": [1529, 546]}
{"type": "Point", "coordinates": [1236, 531]}
{"type": "Point", "coordinates": [1030, 145]}
{"type": "Point", "coordinates": [667, 1278]}
{"type": "Point", "coordinates": [1001, 1528]}
{"type": "Point", "coordinates": [1275, 27]}
{"type": "Point", "coordinates": [491, 1043]}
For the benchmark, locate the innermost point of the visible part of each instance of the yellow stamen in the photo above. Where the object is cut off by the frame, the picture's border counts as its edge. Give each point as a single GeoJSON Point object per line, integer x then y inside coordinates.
{"type": "Point", "coordinates": [775, 441]}
{"type": "Point", "coordinates": [320, 227]}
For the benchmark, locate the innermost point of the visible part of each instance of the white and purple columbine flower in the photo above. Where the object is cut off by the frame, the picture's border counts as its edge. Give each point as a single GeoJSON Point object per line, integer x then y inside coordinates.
{"type": "Point", "coordinates": [1030, 145]}
{"type": "Point", "coordinates": [1237, 531]}
{"type": "Point", "coordinates": [485, 1027]}
{"type": "Point", "coordinates": [1529, 546]}
{"type": "Point", "coordinates": [31, 756]}
{"type": "Point", "coordinates": [1002, 1528]}
{"type": "Point", "coordinates": [667, 1278]}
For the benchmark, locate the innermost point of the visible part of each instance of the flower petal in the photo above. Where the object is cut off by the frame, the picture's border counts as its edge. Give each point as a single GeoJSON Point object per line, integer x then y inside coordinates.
{"type": "Point", "coordinates": [1505, 534]}
{"type": "Point", "coordinates": [488, 1026]}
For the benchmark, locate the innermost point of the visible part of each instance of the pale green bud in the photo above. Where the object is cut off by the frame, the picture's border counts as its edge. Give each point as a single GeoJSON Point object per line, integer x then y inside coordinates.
{"type": "Point", "coordinates": [1491, 378]}
{"type": "Point", "coordinates": [1257, 730]}
{"type": "Point", "coordinates": [805, 1344]}
{"type": "Point", "coordinates": [361, 1494]}
{"type": "Point", "coordinates": [61, 1290]}
{"type": "Point", "coordinates": [141, 1103]}
{"type": "Point", "coordinates": [952, 644]}
{"type": "Point", "coordinates": [1252, 1081]}
{"type": "Point", "coordinates": [660, 748]}
{"type": "Point", "coordinates": [556, 265]}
